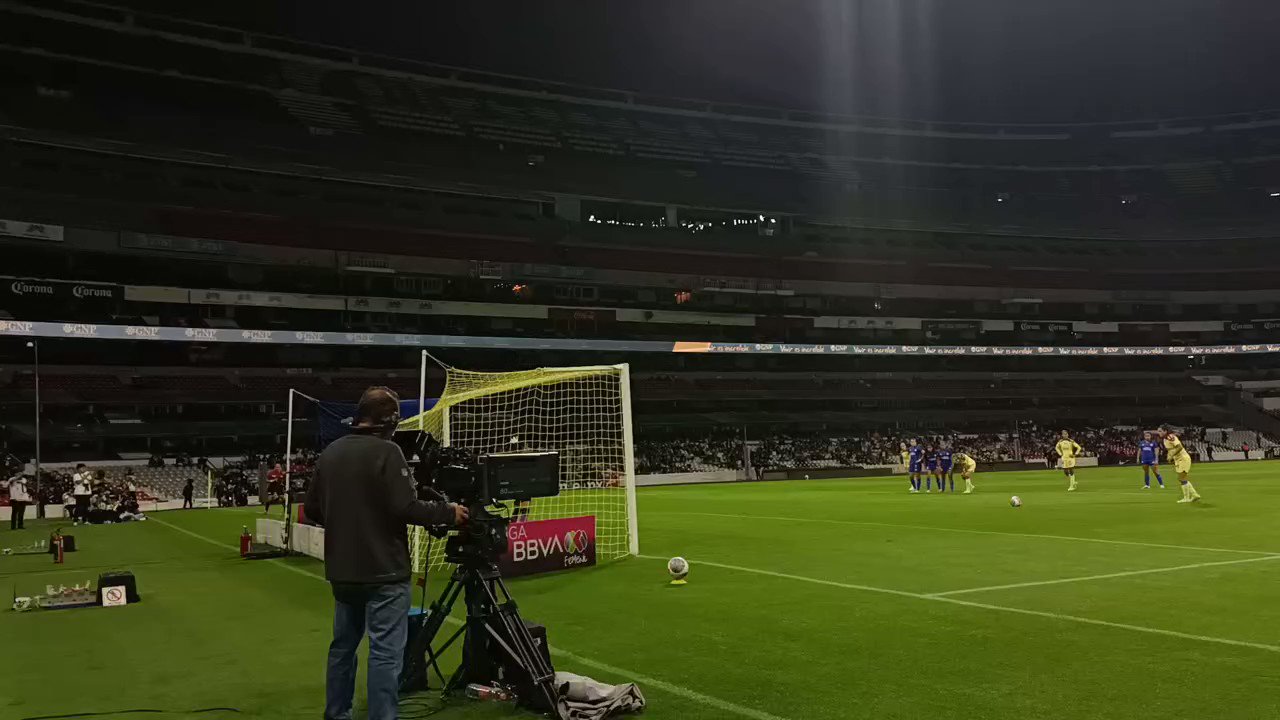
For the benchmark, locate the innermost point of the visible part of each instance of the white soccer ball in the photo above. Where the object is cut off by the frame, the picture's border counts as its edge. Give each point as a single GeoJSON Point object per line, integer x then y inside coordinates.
{"type": "Point", "coordinates": [678, 567]}
{"type": "Point", "coordinates": [1015, 501]}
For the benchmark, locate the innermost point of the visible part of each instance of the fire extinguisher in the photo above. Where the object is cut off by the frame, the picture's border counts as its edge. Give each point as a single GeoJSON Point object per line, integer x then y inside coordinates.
{"type": "Point", "coordinates": [58, 556]}
{"type": "Point", "coordinates": [245, 540]}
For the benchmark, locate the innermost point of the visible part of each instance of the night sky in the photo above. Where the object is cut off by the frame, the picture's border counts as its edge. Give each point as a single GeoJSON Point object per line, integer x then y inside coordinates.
{"type": "Point", "coordinates": [976, 60]}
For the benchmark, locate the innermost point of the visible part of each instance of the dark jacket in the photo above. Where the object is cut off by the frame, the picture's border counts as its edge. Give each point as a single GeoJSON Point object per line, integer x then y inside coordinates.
{"type": "Point", "coordinates": [363, 495]}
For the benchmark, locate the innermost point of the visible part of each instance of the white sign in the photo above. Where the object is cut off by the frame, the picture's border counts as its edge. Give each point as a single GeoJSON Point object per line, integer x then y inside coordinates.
{"type": "Point", "coordinates": [114, 596]}
{"type": "Point", "coordinates": [445, 307]}
{"type": "Point", "coordinates": [31, 230]}
{"type": "Point", "coordinates": [262, 299]}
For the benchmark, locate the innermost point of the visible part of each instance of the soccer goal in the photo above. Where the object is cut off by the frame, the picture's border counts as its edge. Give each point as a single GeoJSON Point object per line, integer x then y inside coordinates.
{"type": "Point", "coordinates": [583, 413]}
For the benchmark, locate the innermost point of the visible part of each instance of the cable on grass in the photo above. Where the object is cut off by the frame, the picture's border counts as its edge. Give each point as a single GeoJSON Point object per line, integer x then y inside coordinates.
{"type": "Point", "coordinates": [420, 708]}
{"type": "Point", "coordinates": [153, 711]}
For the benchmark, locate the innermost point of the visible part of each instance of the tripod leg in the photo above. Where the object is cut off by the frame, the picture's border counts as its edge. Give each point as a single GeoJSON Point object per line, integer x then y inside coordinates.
{"type": "Point", "coordinates": [509, 633]}
{"type": "Point", "coordinates": [496, 636]}
{"type": "Point", "coordinates": [541, 668]}
{"type": "Point", "coordinates": [513, 637]}
{"type": "Point", "coordinates": [433, 656]}
{"type": "Point", "coordinates": [422, 650]}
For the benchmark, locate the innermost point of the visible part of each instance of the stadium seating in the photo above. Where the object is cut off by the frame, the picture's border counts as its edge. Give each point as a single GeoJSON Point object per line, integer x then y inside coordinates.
{"type": "Point", "coordinates": [373, 114]}
{"type": "Point", "coordinates": [267, 177]}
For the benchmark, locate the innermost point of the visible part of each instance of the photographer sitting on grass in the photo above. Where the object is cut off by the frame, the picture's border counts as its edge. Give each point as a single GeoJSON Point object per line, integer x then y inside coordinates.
{"type": "Point", "coordinates": [363, 496]}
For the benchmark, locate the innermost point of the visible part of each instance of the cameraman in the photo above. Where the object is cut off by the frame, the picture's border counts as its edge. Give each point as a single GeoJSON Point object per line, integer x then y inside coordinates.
{"type": "Point", "coordinates": [363, 496]}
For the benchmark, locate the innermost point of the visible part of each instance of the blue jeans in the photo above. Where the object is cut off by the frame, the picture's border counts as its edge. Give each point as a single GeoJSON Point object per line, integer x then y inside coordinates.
{"type": "Point", "coordinates": [383, 611]}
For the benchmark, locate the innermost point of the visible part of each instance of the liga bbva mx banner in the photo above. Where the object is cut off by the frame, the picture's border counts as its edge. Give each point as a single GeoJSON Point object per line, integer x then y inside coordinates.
{"type": "Point", "coordinates": [538, 546]}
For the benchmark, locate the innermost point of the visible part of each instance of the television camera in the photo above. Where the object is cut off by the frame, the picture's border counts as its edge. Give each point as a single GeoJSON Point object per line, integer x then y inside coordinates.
{"type": "Point", "coordinates": [479, 483]}
{"type": "Point", "coordinates": [498, 647]}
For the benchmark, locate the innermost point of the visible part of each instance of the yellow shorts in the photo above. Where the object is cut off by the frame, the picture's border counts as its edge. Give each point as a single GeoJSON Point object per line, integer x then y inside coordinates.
{"type": "Point", "coordinates": [1068, 463]}
{"type": "Point", "coordinates": [1182, 465]}
{"type": "Point", "coordinates": [967, 469]}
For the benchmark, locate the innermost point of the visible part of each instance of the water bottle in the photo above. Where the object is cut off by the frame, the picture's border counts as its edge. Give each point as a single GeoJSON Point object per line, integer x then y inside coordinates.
{"type": "Point", "coordinates": [476, 691]}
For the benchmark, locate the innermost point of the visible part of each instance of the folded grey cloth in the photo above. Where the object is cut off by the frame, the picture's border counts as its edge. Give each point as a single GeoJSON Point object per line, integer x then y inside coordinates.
{"type": "Point", "coordinates": [582, 698]}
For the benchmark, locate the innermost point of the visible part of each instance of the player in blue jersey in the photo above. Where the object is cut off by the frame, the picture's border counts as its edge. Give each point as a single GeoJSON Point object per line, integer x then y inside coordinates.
{"type": "Point", "coordinates": [1149, 458]}
{"type": "Point", "coordinates": [944, 469]}
{"type": "Point", "coordinates": [931, 465]}
{"type": "Point", "coordinates": [916, 465]}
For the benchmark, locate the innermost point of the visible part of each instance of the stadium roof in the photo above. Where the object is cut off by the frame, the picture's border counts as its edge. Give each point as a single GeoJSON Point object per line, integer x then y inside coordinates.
{"type": "Point", "coordinates": [999, 61]}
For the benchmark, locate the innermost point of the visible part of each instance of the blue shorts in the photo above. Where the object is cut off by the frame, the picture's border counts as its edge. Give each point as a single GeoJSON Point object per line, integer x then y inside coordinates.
{"type": "Point", "coordinates": [946, 467]}
{"type": "Point", "coordinates": [933, 466]}
{"type": "Point", "coordinates": [914, 467]}
{"type": "Point", "coordinates": [1149, 462]}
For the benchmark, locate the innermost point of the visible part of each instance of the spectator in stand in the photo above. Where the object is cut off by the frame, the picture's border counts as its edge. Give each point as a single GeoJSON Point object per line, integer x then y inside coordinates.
{"type": "Point", "coordinates": [19, 498]}
{"type": "Point", "coordinates": [127, 510]}
{"type": "Point", "coordinates": [50, 489]}
{"type": "Point", "coordinates": [81, 490]}
{"type": "Point", "coordinates": [101, 509]}
{"type": "Point", "coordinates": [188, 491]}
{"type": "Point", "coordinates": [1245, 448]}
{"type": "Point", "coordinates": [68, 505]}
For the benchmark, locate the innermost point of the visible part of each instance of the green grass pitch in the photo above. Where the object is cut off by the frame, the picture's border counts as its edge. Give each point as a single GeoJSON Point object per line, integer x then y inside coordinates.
{"type": "Point", "coordinates": [823, 599]}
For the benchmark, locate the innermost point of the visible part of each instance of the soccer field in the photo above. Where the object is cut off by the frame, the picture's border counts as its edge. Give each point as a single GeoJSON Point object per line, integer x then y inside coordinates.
{"type": "Point", "coordinates": [823, 599]}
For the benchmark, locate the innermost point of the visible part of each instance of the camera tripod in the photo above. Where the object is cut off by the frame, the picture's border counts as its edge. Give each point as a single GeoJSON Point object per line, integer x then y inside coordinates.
{"type": "Point", "coordinates": [497, 646]}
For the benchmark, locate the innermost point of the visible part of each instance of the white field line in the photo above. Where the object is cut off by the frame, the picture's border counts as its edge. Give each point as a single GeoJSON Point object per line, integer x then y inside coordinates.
{"type": "Point", "coordinates": [631, 676]}
{"type": "Point", "coordinates": [1106, 576]}
{"type": "Point", "coordinates": [988, 606]}
{"type": "Point", "coordinates": [967, 531]}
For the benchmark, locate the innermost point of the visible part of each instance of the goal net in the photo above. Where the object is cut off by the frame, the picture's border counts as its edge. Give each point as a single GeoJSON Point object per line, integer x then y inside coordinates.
{"type": "Point", "coordinates": [583, 413]}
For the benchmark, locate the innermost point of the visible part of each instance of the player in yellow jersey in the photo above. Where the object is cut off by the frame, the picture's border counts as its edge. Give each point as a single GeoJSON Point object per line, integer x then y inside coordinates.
{"type": "Point", "coordinates": [1181, 460]}
{"type": "Point", "coordinates": [906, 466]}
{"type": "Point", "coordinates": [965, 465]}
{"type": "Point", "coordinates": [1068, 450]}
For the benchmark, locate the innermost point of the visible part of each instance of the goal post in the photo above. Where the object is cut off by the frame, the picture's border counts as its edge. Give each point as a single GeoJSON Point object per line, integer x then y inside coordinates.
{"type": "Point", "coordinates": [583, 413]}
{"type": "Point", "coordinates": [629, 458]}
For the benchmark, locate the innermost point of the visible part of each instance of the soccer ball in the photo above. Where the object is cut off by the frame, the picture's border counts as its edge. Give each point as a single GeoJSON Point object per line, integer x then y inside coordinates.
{"type": "Point", "coordinates": [1015, 501]}
{"type": "Point", "coordinates": [678, 567]}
